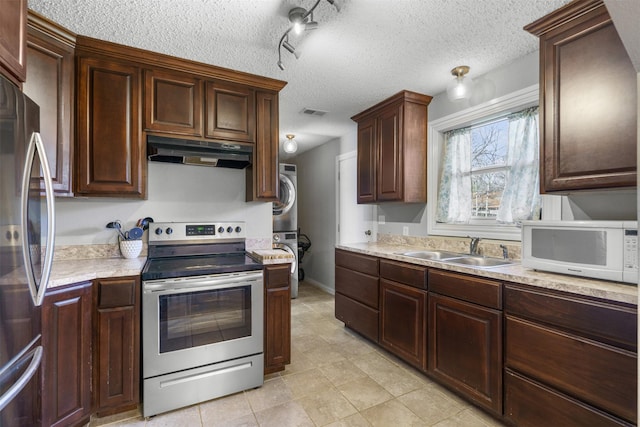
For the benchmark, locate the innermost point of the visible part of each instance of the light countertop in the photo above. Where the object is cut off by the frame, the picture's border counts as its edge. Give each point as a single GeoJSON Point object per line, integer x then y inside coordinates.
{"type": "Point", "coordinates": [69, 271]}
{"type": "Point", "coordinates": [614, 291]}
{"type": "Point", "coordinates": [65, 272]}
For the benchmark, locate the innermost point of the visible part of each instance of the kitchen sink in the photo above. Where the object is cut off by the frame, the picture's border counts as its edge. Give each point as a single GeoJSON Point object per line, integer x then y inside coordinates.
{"type": "Point", "coordinates": [437, 255]}
{"type": "Point", "coordinates": [478, 261]}
{"type": "Point", "coordinates": [458, 258]}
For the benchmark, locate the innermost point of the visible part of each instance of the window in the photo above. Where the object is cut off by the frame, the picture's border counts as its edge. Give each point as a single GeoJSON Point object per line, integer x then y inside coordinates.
{"type": "Point", "coordinates": [483, 170]}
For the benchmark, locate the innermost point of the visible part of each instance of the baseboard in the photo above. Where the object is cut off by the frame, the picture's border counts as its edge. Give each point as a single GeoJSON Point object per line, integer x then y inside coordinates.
{"type": "Point", "coordinates": [322, 286]}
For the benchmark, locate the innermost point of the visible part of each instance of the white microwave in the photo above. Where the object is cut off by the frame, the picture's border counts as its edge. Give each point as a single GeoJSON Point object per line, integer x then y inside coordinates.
{"type": "Point", "coordinates": [605, 250]}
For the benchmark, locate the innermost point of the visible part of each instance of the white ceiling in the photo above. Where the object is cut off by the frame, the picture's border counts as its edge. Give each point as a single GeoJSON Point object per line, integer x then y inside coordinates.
{"type": "Point", "coordinates": [365, 53]}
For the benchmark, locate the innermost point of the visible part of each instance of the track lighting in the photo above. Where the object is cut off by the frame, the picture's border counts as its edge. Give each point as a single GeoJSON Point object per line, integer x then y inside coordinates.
{"type": "Point", "coordinates": [301, 20]}
{"type": "Point", "coordinates": [290, 48]}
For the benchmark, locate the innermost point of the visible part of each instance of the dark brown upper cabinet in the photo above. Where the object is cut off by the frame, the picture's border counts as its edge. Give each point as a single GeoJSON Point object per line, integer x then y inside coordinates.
{"type": "Point", "coordinates": [13, 40]}
{"type": "Point", "coordinates": [392, 150]}
{"type": "Point", "coordinates": [230, 112]}
{"type": "Point", "coordinates": [109, 145]}
{"type": "Point", "coordinates": [173, 103]}
{"type": "Point", "coordinates": [588, 101]}
{"type": "Point", "coordinates": [262, 176]}
{"type": "Point", "coordinates": [50, 83]}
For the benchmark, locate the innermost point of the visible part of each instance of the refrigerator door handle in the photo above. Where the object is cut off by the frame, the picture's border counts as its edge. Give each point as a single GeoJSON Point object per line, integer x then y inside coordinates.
{"type": "Point", "coordinates": [16, 387]}
{"type": "Point", "coordinates": [37, 146]}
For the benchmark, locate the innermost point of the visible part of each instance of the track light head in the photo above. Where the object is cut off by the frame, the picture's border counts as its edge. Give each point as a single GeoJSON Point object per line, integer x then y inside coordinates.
{"type": "Point", "coordinates": [290, 48]}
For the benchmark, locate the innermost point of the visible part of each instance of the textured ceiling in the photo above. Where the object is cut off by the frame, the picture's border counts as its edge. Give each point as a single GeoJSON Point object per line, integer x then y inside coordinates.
{"type": "Point", "coordinates": [368, 51]}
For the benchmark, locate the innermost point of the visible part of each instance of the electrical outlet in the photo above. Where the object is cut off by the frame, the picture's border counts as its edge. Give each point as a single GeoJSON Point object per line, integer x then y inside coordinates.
{"type": "Point", "coordinates": [405, 231]}
{"type": "Point", "coordinates": [381, 219]}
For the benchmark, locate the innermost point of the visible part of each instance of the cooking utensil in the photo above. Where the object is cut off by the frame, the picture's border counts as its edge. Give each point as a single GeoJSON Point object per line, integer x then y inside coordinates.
{"type": "Point", "coordinates": [116, 224]}
{"type": "Point", "coordinates": [135, 233]}
{"type": "Point", "coordinates": [144, 223]}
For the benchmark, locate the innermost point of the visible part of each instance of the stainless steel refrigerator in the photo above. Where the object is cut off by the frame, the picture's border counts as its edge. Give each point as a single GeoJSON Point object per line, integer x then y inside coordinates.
{"type": "Point", "coordinates": [26, 254]}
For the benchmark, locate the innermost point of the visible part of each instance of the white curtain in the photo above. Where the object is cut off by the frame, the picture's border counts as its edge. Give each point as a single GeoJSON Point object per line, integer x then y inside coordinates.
{"type": "Point", "coordinates": [454, 193]}
{"type": "Point", "coordinates": [521, 198]}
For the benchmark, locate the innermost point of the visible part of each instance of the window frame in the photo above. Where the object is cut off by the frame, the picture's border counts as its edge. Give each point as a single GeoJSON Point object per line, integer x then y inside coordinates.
{"type": "Point", "coordinates": [510, 103]}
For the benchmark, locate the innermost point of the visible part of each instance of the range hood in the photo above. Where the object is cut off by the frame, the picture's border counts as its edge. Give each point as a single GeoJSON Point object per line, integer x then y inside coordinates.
{"type": "Point", "coordinates": [198, 152]}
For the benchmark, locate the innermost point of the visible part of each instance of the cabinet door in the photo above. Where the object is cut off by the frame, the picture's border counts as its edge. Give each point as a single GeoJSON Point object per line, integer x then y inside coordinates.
{"type": "Point", "coordinates": [109, 150]}
{"type": "Point", "coordinates": [598, 374]}
{"type": "Point", "coordinates": [50, 79]}
{"type": "Point", "coordinates": [390, 154]}
{"type": "Point", "coordinates": [366, 161]}
{"type": "Point", "coordinates": [230, 112]}
{"type": "Point", "coordinates": [172, 103]}
{"type": "Point", "coordinates": [277, 325]}
{"type": "Point", "coordinates": [13, 39]}
{"type": "Point", "coordinates": [528, 403]}
{"type": "Point", "coordinates": [589, 100]}
{"type": "Point", "coordinates": [465, 349]}
{"type": "Point", "coordinates": [403, 321]}
{"type": "Point", "coordinates": [66, 372]}
{"type": "Point", "coordinates": [117, 349]}
{"type": "Point", "coordinates": [263, 176]}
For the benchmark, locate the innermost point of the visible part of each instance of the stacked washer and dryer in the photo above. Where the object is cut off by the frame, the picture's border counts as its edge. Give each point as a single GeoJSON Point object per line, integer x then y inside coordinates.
{"type": "Point", "coordinates": [285, 220]}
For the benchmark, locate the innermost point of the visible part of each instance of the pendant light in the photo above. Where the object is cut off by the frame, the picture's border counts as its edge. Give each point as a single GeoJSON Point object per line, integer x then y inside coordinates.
{"type": "Point", "coordinates": [460, 87]}
{"type": "Point", "coordinates": [290, 145]}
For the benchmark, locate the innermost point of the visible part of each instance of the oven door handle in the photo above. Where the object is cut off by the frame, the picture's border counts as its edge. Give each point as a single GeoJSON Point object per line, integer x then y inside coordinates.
{"type": "Point", "coordinates": [200, 283]}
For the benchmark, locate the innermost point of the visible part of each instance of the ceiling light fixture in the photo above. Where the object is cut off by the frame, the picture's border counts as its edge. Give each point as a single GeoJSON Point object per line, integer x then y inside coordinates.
{"type": "Point", "coordinates": [290, 145]}
{"type": "Point", "coordinates": [460, 88]}
{"type": "Point", "coordinates": [301, 20]}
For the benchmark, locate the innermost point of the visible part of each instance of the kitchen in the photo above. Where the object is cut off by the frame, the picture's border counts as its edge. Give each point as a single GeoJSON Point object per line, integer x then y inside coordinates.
{"type": "Point", "coordinates": [81, 220]}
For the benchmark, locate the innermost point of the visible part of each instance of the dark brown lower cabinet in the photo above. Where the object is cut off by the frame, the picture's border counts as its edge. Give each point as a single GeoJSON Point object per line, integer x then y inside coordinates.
{"type": "Point", "coordinates": [528, 403]}
{"type": "Point", "coordinates": [403, 311]}
{"type": "Point", "coordinates": [403, 320]}
{"type": "Point", "coordinates": [66, 372]}
{"type": "Point", "coordinates": [116, 369]}
{"type": "Point", "coordinates": [357, 287]}
{"type": "Point", "coordinates": [553, 355]}
{"type": "Point", "coordinates": [277, 315]}
{"type": "Point", "coordinates": [465, 337]}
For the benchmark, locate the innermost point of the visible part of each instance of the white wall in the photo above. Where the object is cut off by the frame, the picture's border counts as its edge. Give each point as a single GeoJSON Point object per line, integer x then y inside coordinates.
{"type": "Point", "coordinates": [175, 193]}
{"type": "Point", "coordinates": [317, 206]}
{"type": "Point", "coordinates": [517, 75]}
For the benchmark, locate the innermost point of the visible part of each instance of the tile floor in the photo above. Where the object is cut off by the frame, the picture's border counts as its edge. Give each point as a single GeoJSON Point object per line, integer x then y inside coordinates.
{"type": "Point", "coordinates": [336, 378]}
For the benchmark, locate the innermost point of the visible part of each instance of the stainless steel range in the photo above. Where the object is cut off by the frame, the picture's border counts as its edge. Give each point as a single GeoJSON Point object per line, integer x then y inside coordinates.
{"type": "Point", "coordinates": [202, 315]}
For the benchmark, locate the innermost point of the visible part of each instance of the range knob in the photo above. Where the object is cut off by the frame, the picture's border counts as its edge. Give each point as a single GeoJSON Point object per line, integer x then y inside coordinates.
{"type": "Point", "coordinates": [158, 231]}
{"type": "Point", "coordinates": [169, 230]}
{"type": "Point", "coordinates": [238, 229]}
{"type": "Point", "coordinates": [229, 229]}
{"type": "Point", "coordinates": [220, 229]}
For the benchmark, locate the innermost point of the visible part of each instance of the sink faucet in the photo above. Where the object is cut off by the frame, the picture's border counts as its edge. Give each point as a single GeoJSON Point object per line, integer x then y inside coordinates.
{"type": "Point", "coordinates": [505, 251]}
{"type": "Point", "coordinates": [473, 245]}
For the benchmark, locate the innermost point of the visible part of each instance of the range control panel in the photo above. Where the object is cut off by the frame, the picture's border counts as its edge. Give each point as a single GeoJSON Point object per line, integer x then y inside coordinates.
{"type": "Point", "coordinates": [195, 231]}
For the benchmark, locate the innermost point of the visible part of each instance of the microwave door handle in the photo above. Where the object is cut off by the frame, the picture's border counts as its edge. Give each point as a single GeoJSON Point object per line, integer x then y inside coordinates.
{"type": "Point", "coordinates": [37, 146]}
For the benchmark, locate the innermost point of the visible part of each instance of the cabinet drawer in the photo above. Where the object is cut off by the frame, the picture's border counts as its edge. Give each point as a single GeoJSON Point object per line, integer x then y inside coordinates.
{"type": "Point", "coordinates": [598, 374]}
{"type": "Point", "coordinates": [360, 287]}
{"type": "Point", "coordinates": [116, 293]}
{"type": "Point", "coordinates": [613, 324]}
{"type": "Point", "coordinates": [528, 403]}
{"type": "Point", "coordinates": [357, 316]}
{"type": "Point", "coordinates": [362, 263]}
{"type": "Point", "coordinates": [472, 289]}
{"type": "Point", "coordinates": [400, 272]}
{"type": "Point", "coordinates": [277, 276]}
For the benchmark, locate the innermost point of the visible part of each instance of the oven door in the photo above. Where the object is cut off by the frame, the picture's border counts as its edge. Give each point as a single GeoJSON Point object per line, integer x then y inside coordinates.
{"type": "Point", "coordinates": [197, 321]}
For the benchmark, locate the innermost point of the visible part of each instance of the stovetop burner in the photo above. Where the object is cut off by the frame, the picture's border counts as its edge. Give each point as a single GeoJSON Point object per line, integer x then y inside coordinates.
{"type": "Point", "coordinates": [196, 249]}
{"type": "Point", "coordinates": [201, 265]}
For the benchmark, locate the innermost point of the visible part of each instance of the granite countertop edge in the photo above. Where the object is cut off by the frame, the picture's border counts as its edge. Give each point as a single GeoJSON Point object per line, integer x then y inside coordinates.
{"type": "Point", "coordinates": [70, 271]}
{"type": "Point", "coordinates": [612, 291]}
